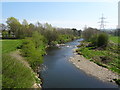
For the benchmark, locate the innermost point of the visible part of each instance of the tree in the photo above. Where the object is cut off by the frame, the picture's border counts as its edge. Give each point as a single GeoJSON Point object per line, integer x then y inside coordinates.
{"type": "Point", "coordinates": [74, 31]}
{"type": "Point", "coordinates": [79, 32]}
{"type": "Point", "coordinates": [14, 26]}
{"type": "Point", "coordinates": [38, 39]}
{"type": "Point", "coordinates": [3, 26]}
{"type": "Point", "coordinates": [25, 23]}
{"type": "Point", "coordinates": [89, 32]}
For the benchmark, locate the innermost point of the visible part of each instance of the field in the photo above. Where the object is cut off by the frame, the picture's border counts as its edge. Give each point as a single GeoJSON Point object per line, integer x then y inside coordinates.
{"type": "Point", "coordinates": [114, 39]}
{"type": "Point", "coordinates": [9, 45]}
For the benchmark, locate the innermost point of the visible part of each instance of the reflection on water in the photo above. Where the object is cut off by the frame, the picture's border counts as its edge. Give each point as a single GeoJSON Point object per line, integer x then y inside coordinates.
{"type": "Point", "coordinates": [58, 72]}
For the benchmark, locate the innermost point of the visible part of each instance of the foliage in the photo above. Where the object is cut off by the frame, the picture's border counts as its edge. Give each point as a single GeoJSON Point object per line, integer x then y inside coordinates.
{"type": "Point", "coordinates": [64, 38]}
{"type": "Point", "coordinates": [96, 37]}
{"type": "Point", "coordinates": [14, 26]}
{"type": "Point", "coordinates": [99, 40]}
{"type": "Point", "coordinates": [89, 33]}
{"type": "Point", "coordinates": [94, 40]}
{"type": "Point", "coordinates": [38, 40]}
{"type": "Point", "coordinates": [7, 35]}
{"type": "Point", "coordinates": [15, 74]}
{"type": "Point", "coordinates": [102, 40]}
{"type": "Point", "coordinates": [35, 39]}
{"type": "Point", "coordinates": [106, 58]}
{"type": "Point", "coordinates": [34, 48]}
{"type": "Point", "coordinates": [17, 30]}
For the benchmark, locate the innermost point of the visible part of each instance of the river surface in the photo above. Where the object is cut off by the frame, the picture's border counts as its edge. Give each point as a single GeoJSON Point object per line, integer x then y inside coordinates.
{"type": "Point", "coordinates": [59, 72]}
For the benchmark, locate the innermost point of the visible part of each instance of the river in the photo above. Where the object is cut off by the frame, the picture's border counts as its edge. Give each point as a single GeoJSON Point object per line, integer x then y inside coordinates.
{"type": "Point", "coordinates": [58, 72]}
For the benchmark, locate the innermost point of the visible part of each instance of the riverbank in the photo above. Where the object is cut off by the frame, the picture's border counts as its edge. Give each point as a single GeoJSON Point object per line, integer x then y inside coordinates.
{"type": "Point", "coordinates": [93, 69]}
{"type": "Point", "coordinates": [16, 71]}
{"type": "Point", "coordinates": [17, 55]}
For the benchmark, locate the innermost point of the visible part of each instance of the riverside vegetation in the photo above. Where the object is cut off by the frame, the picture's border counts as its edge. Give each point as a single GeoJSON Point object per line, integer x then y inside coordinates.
{"type": "Point", "coordinates": [101, 48]}
{"type": "Point", "coordinates": [31, 42]}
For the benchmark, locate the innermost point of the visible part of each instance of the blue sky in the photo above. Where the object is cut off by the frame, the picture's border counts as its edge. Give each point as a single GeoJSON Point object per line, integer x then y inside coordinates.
{"type": "Point", "coordinates": [63, 14]}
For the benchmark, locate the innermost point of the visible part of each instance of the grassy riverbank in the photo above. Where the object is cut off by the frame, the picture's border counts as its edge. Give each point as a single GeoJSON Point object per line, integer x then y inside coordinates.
{"type": "Point", "coordinates": [24, 45]}
{"type": "Point", "coordinates": [20, 59]}
{"type": "Point", "coordinates": [108, 58]}
{"type": "Point", "coordinates": [15, 73]}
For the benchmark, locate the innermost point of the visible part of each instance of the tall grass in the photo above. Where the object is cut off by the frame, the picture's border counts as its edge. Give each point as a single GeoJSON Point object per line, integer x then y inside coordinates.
{"type": "Point", "coordinates": [15, 74]}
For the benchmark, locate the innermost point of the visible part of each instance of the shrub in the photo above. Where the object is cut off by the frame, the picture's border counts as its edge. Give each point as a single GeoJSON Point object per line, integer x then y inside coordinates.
{"type": "Point", "coordinates": [94, 40]}
{"type": "Point", "coordinates": [89, 32]}
{"type": "Point", "coordinates": [34, 48]}
{"type": "Point", "coordinates": [34, 56]}
{"type": "Point", "coordinates": [102, 40]}
{"type": "Point", "coordinates": [53, 43]}
{"type": "Point", "coordinates": [38, 40]}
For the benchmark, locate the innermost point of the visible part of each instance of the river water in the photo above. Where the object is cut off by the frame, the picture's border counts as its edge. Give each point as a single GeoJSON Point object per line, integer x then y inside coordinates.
{"type": "Point", "coordinates": [58, 72]}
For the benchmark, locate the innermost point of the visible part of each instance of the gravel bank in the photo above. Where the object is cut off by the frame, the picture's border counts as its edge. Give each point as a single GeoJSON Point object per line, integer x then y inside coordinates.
{"type": "Point", "coordinates": [93, 69]}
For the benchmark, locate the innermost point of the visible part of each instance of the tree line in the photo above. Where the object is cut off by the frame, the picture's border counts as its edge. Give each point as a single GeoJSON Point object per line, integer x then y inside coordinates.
{"type": "Point", "coordinates": [36, 37]}
{"type": "Point", "coordinates": [16, 30]}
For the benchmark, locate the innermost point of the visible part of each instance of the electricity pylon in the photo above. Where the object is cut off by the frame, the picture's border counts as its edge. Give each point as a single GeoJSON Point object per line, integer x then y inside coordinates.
{"type": "Point", "coordinates": [102, 23]}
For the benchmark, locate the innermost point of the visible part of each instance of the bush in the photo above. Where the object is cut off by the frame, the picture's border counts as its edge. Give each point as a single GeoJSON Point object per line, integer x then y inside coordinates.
{"type": "Point", "coordinates": [33, 55]}
{"type": "Point", "coordinates": [64, 38]}
{"type": "Point", "coordinates": [34, 48]}
{"type": "Point", "coordinates": [89, 32]}
{"type": "Point", "coordinates": [94, 40]}
{"type": "Point", "coordinates": [53, 43]}
{"type": "Point", "coordinates": [102, 40]}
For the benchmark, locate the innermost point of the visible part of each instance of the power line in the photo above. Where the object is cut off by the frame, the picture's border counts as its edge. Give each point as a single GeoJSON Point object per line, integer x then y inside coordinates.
{"type": "Point", "coordinates": [102, 22]}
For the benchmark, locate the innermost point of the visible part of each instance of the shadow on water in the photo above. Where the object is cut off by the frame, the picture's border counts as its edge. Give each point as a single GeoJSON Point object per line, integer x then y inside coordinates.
{"type": "Point", "coordinates": [58, 72]}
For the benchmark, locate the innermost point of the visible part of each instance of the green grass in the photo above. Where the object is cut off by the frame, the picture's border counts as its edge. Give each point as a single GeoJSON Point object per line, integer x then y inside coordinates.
{"type": "Point", "coordinates": [114, 39]}
{"type": "Point", "coordinates": [15, 74]}
{"type": "Point", "coordinates": [10, 45]}
{"type": "Point", "coordinates": [114, 63]}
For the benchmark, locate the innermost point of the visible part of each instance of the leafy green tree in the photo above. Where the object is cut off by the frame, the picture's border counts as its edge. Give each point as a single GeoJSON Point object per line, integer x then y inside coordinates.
{"type": "Point", "coordinates": [14, 26]}
{"type": "Point", "coordinates": [89, 32]}
{"type": "Point", "coordinates": [38, 39]}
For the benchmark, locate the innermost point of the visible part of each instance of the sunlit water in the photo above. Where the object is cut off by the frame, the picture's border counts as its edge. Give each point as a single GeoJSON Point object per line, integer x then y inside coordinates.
{"type": "Point", "coordinates": [58, 72]}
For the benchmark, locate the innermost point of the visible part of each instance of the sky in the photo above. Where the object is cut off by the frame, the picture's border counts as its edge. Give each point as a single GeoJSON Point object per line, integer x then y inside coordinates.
{"type": "Point", "coordinates": [63, 14]}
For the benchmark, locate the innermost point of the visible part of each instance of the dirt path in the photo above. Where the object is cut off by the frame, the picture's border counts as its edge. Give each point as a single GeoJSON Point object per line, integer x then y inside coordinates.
{"type": "Point", "coordinates": [16, 54]}
{"type": "Point", "coordinates": [93, 69]}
